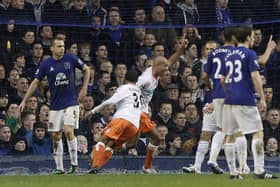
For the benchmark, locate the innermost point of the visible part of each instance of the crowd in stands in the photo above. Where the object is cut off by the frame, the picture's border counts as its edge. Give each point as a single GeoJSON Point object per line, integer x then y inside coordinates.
{"type": "Point", "coordinates": [95, 31]}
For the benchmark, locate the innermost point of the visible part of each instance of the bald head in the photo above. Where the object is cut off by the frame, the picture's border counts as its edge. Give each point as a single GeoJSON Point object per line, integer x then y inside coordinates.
{"type": "Point", "coordinates": [160, 65]}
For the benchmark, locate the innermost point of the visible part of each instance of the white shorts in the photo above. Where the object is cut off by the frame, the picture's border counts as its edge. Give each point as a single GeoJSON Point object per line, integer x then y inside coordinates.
{"type": "Point", "coordinates": [245, 119]}
{"type": "Point", "coordinates": [209, 122]}
{"type": "Point", "coordinates": [218, 111]}
{"type": "Point", "coordinates": [59, 118]}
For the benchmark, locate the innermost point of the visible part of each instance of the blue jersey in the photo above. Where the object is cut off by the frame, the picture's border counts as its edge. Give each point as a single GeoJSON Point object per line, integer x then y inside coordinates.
{"type": "Point", "coordinates": [213, 68]}
{"type": "Point", "coordinates": [237, 70]}
{"type": "Point", "coordinates": [207, 97]}
{"type": "Point", "coordinates": [61, 77]}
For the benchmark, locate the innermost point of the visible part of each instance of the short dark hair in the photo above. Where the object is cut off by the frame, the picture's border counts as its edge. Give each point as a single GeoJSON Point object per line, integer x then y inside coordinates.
{"type": "Point", "coordinates": [131, 76]}
{"type": "Point", "coordinates": [242, 32]}
{"type": "Point", "coordinates": [228, 32]}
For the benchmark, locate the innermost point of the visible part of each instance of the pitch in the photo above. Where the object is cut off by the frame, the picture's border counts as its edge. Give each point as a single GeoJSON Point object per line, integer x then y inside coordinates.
{"type": "Point", "coordinates": [131, 180]}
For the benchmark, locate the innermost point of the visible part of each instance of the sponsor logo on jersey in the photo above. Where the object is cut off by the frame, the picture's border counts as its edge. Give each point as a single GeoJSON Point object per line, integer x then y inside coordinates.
{"type": "Point", "coordinates": [61, 79]}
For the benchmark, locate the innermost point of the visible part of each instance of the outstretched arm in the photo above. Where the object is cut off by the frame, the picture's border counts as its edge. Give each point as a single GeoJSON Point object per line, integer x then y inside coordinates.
{"type": "Point", "coordinates": [180, 51]}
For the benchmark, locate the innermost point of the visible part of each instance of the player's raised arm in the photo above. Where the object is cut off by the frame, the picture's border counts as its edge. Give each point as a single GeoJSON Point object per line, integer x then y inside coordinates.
{"type": "Point", "coordinates": [181, 50]}
{"type": "Point", "coordinates": [265, 56]}
{"type": "Point", "coordinates": [29, 92]}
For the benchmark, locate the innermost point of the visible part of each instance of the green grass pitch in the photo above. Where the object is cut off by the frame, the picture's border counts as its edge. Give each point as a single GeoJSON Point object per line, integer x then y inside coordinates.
{"type": "Point", "coordinates": [134, 180]}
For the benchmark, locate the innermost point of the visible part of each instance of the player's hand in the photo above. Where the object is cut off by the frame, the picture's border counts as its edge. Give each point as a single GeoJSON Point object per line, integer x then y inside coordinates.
{"type": "Point", "coordinates": [271, 43]}
{"type": "Point", "coordinates": [262, 105]}
{"type": "Point", "coordinates": [208, 108]}
{"type": "Point", "coordinates": [21, 107]}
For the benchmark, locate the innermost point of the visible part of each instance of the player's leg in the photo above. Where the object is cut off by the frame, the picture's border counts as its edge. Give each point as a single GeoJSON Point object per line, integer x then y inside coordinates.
{"type": "Point", "coordinates": [148, 127]}
{"type": "Point", "coordinates": [152, 150]}
{"type": "Point", "coordinates": [218, 138]}
{"type": "Point", "coordinates": [216, 145]}
{"type": "Point", "coordinates": [230, 127]}
{"type": "Point", "coordinates": [55, 128]}
{"type": "Point", "coordinates": [58, 151]}
{"type": "Point", "coordinates": [71, 117]}
{"type": "Point", "coordinates": [241, 148]}
{"type": "Point", "coordinates": [202, 149]}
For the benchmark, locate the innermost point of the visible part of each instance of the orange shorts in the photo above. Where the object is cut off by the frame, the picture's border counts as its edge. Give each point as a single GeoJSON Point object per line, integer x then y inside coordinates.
{"type": "Point", "coordinates": [119, 130]}
{"type": "Point", "coordinates": [146, 124]}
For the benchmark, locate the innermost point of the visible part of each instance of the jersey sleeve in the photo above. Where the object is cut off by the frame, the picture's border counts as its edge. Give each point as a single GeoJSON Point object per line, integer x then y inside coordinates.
{"type": "Point", "coordinates": [78, 63]}
{"type": "Point", "coordinates": [253, 63]}
{"type": "Point", "coordinates": [121, 93]}
{"type": "Point", "coordinates": [208, 65]}
{"type": "Point", "coordinates": [41, 71]}
{"type": "Point", "coordinates": [141, 82]}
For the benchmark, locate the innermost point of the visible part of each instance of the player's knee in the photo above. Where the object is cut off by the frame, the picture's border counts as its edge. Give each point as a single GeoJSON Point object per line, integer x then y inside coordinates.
{"type": "Point", "coordinates": [205, 136]}
{"type": "Point", "coordinates": [56, 136]}
{"type": "Point", "coordinates": [259, 147]}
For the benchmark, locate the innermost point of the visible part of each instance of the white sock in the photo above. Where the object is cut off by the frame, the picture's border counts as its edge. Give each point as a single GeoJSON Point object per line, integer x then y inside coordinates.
{"type": "Point", "coordinates": [241, 147]}
{"type": "Point", "coordinates": [58, 154]}
{"type": "Point", "coordinates": [230, 156]}
{"type": "Point", "coordinates": [217, 142]}
{"type": "Point", "coordinates": [258, 154]}
{"type": "Point", "coordinates": [73, 153]}
{"type": "Point", "coordinates": [201, 151]}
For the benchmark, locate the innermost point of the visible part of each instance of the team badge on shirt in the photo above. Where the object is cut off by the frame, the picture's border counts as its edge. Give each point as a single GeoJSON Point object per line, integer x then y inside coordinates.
{"type": "Point", "coordinates": [67, 65]}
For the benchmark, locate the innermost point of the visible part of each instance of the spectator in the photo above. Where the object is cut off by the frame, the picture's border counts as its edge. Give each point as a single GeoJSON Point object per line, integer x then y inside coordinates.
{"type": "Point", "coordinates": [120, 72]}
{"type": "Point", "coordinates": [174, 145]}
{"type": "Point", "coordinates": [271, 124]}
{"type": "Point", "coordinates": [55, 11]}
{"type": "Point", "coordinates": [21, 89]}
{"type": "Point", "coordinates": [46, 36]}
{"type": "Point", "coordinates": [140, 16]}
{"type": "Point", "coordinates": [110, 89]}
{"type": "Point", "coordinates": [259, 44]}
{"type": "Point", "coordinates": [158, 49]}
{"type": "Point", "coordinates": [2, 119]}
{"type": "Point", "coordinates": [194, 122]}
{"type": "Point", "coordinates": [139, 63]}
{"type": "Point", "coordinates": [268, 94]}
{"type": "Point", "coordinates": [97, 9]}
{"type": "Point", "coordinates": [40, 92]}
{"type": "Point", "coordinates": [116, 39]}
{"type": "Point", "coordinates": [19, 62]}
{"type": "Point", "coordinates": [32, 105]}
{"type": "Point", "coordinates": [3, 101]}
{"type": "Point", "coordinates": [5, 140]}
{"type": "Point", "coordinates": [99, 89]}
{"type": "Point", "coordinates": [3, 80]}
{"type": "Point", "coordinates": [95, 134]}
{"type": "Point", "coordinates": [21, 11]}
{"type": "Point", "coordinates": [26, 130]}
{"type": "Point", "coordinates": [163, 35]}
{"type": "Point", "coordinates": [35, 59]}
{"type": "Point", "coordinates": [185, 13]}
{"type": "Point", "coordinates": [164, 117]}
{"type": "Point", "coordinates": [72, 47]}
{"type": "Point", "coordinates": [26, 41]}
{"type": "Point", "coordinates": [106, 114]}
{"type": "Point", "coordinates": [162, 131]}
{"type": "Point", "coordinates": [19, 146]}
{"type": "Point", "coordinates": [101, 54]}
{"type": "Point", "coordinates": [84, 51]}
{"type": "Point", "coordinates": [82, 145]}
{"type": "Point", "coordinates": [41, 140]}
{"type": "Point", "coordinates": [185, 97]}
{"type": "Point", "coordinates": [12, 79]}
{"type": "Point", "coordinates": [43, 115]}
{"type": "Point", "coordinates": [271, 147]}
{"type": "Point", "coordinates": [88, 103]}
{"type": "Point", "coordinates": [12, 115]}
{"type": "Point", "coordinates": [148, 43]}
{"type": "Point", "coordinates": [106, 66]}
{"type": "Point", "coordinates": [94, 31]}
